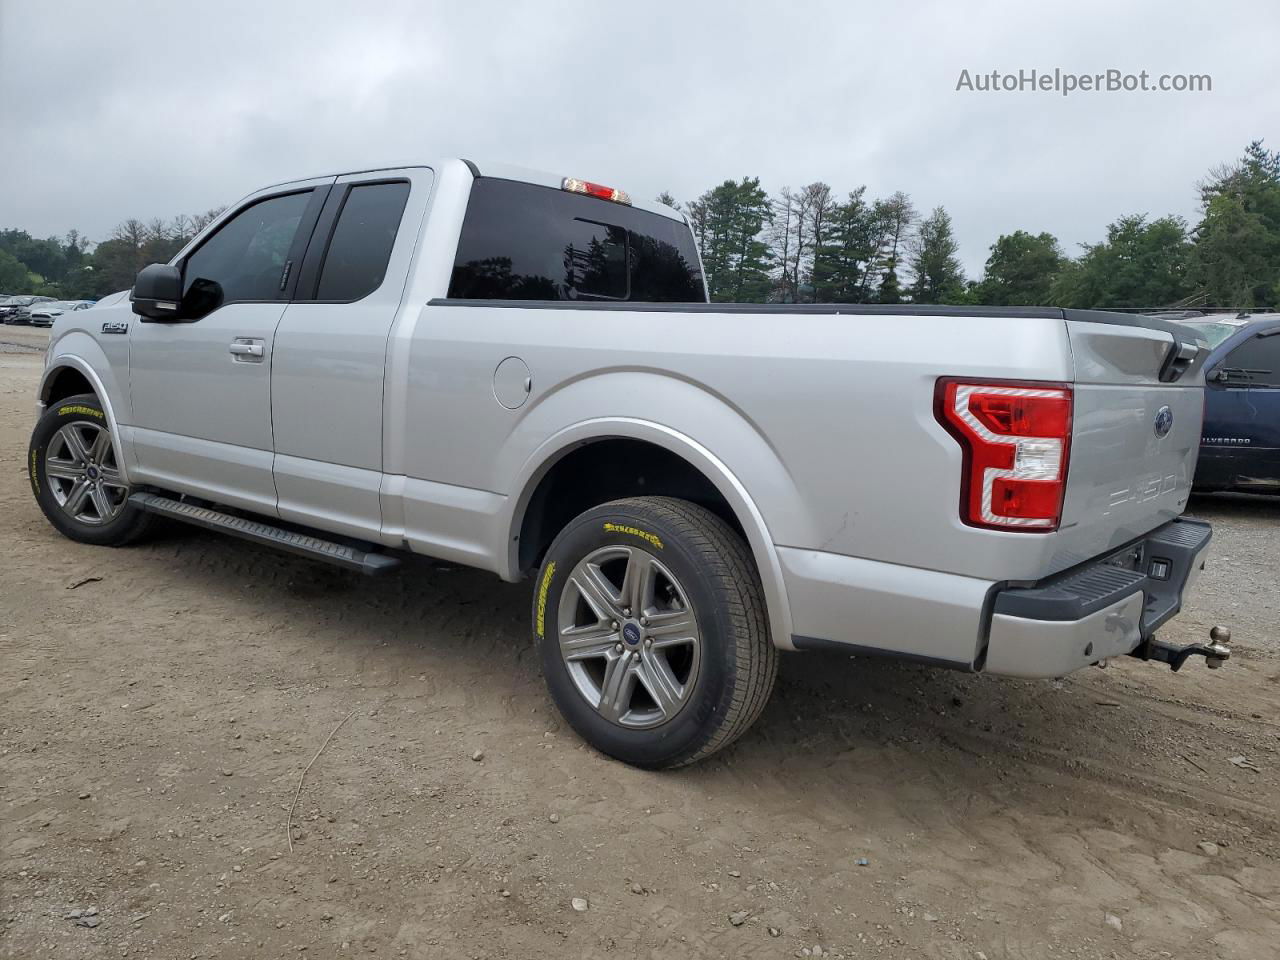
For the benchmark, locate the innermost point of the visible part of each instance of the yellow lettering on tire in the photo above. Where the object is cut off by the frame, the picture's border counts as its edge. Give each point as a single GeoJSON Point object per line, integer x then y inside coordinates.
{"type": "Point", "coordinates": [78, 408]}
{"type": "Point", "coordinates": [645, 535]}
{"type": "Point", "coordinates": [542, 597]}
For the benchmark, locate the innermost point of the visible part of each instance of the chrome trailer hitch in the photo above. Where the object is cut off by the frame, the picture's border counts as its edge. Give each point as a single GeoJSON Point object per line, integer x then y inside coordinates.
{"type": "Point", "coordinates": [1215, 653]}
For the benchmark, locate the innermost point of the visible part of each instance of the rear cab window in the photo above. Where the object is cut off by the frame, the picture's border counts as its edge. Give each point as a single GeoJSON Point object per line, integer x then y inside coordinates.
{"type": "Point", "coordinates": [360, 247]}
{"type": "Point", "coordinates": [521, 241]}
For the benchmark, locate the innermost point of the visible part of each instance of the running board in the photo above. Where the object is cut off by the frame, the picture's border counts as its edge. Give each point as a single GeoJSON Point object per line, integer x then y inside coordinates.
{"type": "Point", "coordinates": [300, 543]}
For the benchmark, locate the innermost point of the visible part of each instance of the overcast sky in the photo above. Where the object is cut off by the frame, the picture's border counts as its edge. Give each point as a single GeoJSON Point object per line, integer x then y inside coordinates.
{"type": "Point", "coordinates": [117, 109]}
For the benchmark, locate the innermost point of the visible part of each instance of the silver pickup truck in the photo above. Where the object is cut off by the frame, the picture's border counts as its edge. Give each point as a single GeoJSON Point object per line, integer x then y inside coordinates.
{"type": "Point", "coordinates": [520, 372]}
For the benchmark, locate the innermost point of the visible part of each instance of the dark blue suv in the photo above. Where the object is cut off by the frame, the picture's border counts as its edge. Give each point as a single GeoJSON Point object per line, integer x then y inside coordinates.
{"type": "Point", "coordinates": [1240, 443]}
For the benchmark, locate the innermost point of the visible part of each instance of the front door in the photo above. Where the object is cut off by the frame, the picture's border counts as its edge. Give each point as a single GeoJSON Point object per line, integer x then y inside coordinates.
{"type": "Point", "coordinates": [1240, 448]}
{"type": "Point", "coordinates": [200, 385]}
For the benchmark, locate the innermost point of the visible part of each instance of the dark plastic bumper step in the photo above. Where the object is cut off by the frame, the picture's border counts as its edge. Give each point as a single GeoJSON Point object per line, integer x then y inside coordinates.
{"type": "Point", "coordinates": [300, 543]}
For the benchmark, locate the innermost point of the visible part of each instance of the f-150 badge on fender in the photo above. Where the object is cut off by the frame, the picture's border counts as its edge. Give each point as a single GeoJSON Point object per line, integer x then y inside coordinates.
{"type": "Point", "coordinates": [116, 326]}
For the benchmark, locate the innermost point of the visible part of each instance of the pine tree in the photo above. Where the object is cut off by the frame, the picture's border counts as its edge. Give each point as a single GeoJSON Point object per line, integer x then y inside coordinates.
{"type": "Point", "coordinates": [728, 221]}
{"type": "Point", "coordinates": [1236, 258]}
{"type": "Point", "coordinates": [849, 253]}
{"type": "Point", "coordinates": [938, 274]}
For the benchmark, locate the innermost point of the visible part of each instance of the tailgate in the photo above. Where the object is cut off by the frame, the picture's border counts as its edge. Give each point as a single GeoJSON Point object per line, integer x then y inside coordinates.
{"type": "Point", "coordinates": [1139, 402]}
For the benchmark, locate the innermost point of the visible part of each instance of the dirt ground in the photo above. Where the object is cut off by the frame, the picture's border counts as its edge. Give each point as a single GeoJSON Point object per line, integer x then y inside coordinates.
{"type": "Point", "coordinates": [154, 724]}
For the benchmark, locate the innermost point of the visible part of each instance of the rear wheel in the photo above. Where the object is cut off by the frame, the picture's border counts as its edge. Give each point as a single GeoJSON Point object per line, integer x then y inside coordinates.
{"type": "Point", "coordinates": [651, 623]}
{"type": "Point", "coordinates": [75, 476]}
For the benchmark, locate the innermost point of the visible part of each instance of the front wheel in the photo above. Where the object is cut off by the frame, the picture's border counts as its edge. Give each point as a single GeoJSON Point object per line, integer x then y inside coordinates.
{"type": "Point", "coordinates": [650, 619]}
{"type": "Point", "coordinates": [76, 480]}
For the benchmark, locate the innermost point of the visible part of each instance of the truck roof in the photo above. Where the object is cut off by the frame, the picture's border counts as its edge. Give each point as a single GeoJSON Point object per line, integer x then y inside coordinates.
{"type": "Point", "coordinates": [501, 171]}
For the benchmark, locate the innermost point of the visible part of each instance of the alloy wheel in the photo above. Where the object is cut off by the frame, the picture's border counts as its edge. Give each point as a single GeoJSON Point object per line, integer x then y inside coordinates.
{"type": "Point", "coordinates": [629, 636]}
{"type": "Point", "coordinates": [80, 465]}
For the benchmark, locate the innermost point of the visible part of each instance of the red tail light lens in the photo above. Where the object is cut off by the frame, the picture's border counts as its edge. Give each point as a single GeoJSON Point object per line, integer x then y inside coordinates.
{"type": "Point", "coordinates": [574, 185]}
{"type": "Point", "coordinates": [1016, 439]}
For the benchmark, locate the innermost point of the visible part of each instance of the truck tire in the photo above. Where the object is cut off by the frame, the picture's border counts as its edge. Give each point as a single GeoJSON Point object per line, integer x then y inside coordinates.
{"type": "Point", "coordinates": [74, 476]}
{"type": "Point", "coordinates": [650, 620]}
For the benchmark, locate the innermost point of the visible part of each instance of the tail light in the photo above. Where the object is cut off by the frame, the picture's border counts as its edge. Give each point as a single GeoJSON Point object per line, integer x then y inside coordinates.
{"type": "Point", "coordinates": [1016, 439]}
{"type": "Point", "coordinates": [574, 185]}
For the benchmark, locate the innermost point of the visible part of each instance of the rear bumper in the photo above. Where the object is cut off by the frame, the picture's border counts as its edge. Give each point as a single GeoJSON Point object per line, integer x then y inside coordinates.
{"type": "Point", "coordinates": [1103, 608]}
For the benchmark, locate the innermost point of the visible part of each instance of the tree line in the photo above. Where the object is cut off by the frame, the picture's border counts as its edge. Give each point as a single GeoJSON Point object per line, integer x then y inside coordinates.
{"type": "Point", "coordinates": [814, 245]}
{"type": "Point", "coordinates": [74, 268]}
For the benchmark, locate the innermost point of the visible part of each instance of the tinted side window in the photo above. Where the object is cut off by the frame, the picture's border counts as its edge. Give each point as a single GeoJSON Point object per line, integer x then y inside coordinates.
{"type": "Point", "coordinates": [1256, 361]}
{"type": "Point", "coordinates": [245, 259]}
{"type": "Point", "coordinates": [520, 241]}
{"type": "Point", "coordinates": [356, 260]}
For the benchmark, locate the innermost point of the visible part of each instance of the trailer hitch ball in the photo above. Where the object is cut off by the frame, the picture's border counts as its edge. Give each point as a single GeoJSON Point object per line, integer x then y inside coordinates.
{"type": "Point", "coordinates": [1218, 651]}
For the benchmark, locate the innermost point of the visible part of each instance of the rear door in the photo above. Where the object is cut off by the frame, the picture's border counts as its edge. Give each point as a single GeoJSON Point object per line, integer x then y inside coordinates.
{"type": "Point", "coordinates": [331, 349]}
{"type": "Point", "coordinates": [200, 385]}
{"type": "Point", "coordinates": [1242, 417]}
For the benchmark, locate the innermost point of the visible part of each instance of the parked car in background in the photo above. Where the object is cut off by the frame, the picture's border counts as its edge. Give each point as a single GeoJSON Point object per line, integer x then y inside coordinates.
{"type": "Point", "coordinates": [18, 309]}
{"type": "Point", "coordinates": [43, 314]}
{"type": "Point", "coordinates": [9, 304]}
{"type": "Point", "coordinates": [1240, 441]}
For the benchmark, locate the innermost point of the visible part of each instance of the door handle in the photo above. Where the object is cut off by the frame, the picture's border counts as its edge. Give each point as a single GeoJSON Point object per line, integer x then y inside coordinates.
{"type": "Point", "coordinates": [247, 350]}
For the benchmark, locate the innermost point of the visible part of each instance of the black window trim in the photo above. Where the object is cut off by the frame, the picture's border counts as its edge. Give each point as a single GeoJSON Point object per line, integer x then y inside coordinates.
{"type": "Point", "coordinates": [297, 249]}
{"type": "Point", "coordinates": [308, 282]}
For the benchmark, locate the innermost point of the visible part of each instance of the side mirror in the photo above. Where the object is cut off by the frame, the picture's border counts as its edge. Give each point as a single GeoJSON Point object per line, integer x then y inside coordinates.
{"type": "Point", "coordinates": [157, 292]}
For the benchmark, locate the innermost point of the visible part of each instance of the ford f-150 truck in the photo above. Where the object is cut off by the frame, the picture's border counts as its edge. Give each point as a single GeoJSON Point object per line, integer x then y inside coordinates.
{"type": "Point", "coordinates": [521, 373]}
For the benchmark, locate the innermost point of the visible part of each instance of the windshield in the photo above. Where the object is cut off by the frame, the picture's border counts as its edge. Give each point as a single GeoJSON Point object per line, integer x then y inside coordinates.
{"type": "Point", "coordinates": [1214, 331]}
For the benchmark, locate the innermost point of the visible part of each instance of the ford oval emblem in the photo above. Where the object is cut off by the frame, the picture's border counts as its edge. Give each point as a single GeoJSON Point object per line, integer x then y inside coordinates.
{"type": "Point", "coordinates": [1164, 421]}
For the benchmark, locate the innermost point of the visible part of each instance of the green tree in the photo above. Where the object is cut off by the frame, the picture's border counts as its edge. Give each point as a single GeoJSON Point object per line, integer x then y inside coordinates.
{"type": "Point", "coordinates": [850, 252]}
{"type": "Point", "coordinates": [896, 216]}
{"type": "Point", "coordinates": [936, 269]}
{"type": "Point", "coordinates": [47, 258]}
{"type": "Point", "coordinates": [1236, 263]}
{"type": "Point", "coordinates": [1021, 270]}
{"type": "Point", "coordinates": [668, 199]}
{"type": "Point", "coordinates": [728, 221]}
{"type": "Point", "coordinates": [1237, 250]}
{"type": "Point", "coordinates": [13, 274]}
{"type": "Point", "coordinates": [1140, 264]}
{"type": "Point", "coordinates": [821, 205]}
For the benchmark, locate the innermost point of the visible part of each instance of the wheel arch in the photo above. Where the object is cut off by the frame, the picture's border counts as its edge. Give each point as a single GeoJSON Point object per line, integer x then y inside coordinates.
{"type": "Point", "coordinates": [743, 512]}
{"type": "Point", "coordinates": [69, 368]}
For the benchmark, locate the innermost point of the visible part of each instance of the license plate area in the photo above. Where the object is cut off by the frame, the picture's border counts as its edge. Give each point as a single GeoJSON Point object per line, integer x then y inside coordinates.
{"type": "Point", "coordinates": [1132, 557]}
